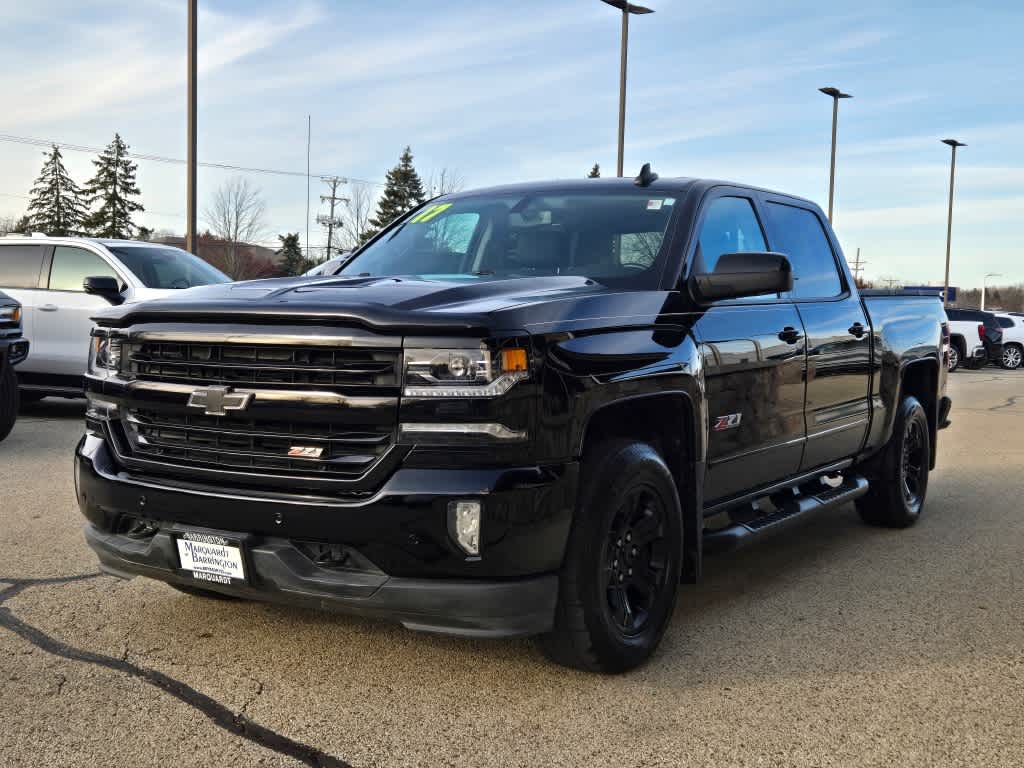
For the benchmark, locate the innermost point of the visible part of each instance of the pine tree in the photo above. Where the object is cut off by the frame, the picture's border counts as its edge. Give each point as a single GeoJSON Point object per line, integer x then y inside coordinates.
{"type": "Point", "coordinates": [595, 172]}
{"type": "Point", "coordinates": [113, 187]}
{"type": "Point", "coordinates": [56, 205]}
{"type": "Point", "coordinates": [292, 260]}
{"type": "Point", "coordinates": [403, 191]}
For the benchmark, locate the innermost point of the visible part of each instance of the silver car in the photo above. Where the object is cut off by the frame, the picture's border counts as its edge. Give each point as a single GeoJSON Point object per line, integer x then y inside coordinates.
{"type": "Point", "coordinates": [48, 275]}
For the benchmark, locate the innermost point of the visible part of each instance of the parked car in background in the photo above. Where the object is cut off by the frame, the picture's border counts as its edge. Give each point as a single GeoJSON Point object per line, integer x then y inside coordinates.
{"type": "Point", "coordinates": [976, 338]}
{"type": "Point", "coordinates": [48, 276]}
{"type": "Point", "coordinates": [330, 267]}
{"type": "Point", "coordinates": [1013, 339]}
{"type": "Point", "coordinates": [13, 350]}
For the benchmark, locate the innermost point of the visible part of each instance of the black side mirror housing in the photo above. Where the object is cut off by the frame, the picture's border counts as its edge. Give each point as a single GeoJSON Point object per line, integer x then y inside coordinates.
{"type": "Point", "coordinates": [104, 286]}
{"type": "Point", "coordinates": [741, 275]}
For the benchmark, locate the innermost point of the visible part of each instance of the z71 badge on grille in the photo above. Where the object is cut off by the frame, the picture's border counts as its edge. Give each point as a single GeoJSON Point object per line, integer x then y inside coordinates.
{"type": "Point", "coordinates": [217, 401]}
{"type": "Point", "coordinates": [305, 452]}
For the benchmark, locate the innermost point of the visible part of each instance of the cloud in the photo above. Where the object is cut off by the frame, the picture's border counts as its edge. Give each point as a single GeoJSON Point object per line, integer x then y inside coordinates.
{"type": "Point", "coordinates": [129, 62]}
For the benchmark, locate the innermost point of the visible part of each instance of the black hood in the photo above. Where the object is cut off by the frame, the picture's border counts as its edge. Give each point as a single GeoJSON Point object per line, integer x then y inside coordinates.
{"type": "Point", "coordinates": [391, 303]}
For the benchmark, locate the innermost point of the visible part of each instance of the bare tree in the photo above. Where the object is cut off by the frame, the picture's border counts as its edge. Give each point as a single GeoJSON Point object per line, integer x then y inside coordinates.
{"type": "Point", "coordinates": [237, 217]}
{"type": "Point", "coordinates": [444, 181]}
{"type": "Point", "coordinates": [12, 225]}
{"type": "Point", "coordinates": [356, 215]}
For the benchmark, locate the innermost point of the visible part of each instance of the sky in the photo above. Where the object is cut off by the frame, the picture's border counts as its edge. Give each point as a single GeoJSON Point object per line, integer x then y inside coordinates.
{"type": "Point", "coordinates": [528, 90]}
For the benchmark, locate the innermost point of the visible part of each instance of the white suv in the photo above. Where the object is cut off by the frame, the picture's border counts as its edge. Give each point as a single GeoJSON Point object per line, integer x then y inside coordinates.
{"type": "Point", "coordinates": [47, 275]}
{"type": "Point", "coordinates": [1013, 339]}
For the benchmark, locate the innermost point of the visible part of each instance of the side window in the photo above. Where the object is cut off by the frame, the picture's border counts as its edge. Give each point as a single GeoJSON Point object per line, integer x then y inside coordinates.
{"type": "Point", "coordinates": [797, 233]}
{"type": "Point", "coordinates": [72, 265]}
{"type": "Point", "coordinates": [729, 226]}
{"type": "Point", "coordinates": [1005, 322]}
{"type": "Point", "coordinates": [20, 265]}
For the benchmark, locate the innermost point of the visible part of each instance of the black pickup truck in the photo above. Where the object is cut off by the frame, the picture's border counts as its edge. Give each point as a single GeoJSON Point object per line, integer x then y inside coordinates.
{"type": "Point", "coordinates": [523, 410]}
{"type": "Point", "coordinates": [13, 349]}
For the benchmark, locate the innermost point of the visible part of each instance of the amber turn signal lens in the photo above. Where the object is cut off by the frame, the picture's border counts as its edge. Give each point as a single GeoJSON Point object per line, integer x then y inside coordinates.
{"type": "Point", "coordinates": [513, 360]}
{"type": "Point", "coordinates": [16, 316]}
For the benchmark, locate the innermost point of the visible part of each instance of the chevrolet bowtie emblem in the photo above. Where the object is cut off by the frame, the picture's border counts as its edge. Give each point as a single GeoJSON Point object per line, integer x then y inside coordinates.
{"type": "Point", "coordinates": [217, 401]}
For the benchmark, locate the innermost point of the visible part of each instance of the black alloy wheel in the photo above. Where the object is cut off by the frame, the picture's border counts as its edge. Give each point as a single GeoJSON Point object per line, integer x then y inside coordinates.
{"type": "Point", "coordinates": [618, 583]}
{"type": "Point", "coordinates": [635, 561]}
{"type": "Point", "coordinates": [913, 471]}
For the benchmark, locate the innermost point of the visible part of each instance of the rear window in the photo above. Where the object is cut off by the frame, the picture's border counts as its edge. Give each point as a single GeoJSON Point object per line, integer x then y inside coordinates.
{"type": "Point", "coordinates": [798, 233]}
{"type": "Point", "coordinates": [20, 265]}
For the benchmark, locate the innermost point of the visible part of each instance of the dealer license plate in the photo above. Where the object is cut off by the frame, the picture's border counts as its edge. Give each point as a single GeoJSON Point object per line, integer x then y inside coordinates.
{"type": "Point", "coordinates": [211, 558]}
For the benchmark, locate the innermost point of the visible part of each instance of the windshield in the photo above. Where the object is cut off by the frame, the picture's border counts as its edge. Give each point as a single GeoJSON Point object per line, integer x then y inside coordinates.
{"type": "Point", "coordinates": [167, 267]}
{"type": "Point", "coordinates": [612, 238]}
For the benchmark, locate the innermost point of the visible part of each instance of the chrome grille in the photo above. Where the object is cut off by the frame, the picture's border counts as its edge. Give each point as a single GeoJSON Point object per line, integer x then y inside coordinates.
{"type": "Point", "coordinates": [266, 366]}
{"type": "Point", "coordinates": [243, 444]}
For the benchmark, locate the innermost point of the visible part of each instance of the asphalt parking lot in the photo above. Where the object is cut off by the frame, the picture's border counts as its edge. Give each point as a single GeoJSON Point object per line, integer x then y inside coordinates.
{"type": "Point", "coordinates": [838, 645]}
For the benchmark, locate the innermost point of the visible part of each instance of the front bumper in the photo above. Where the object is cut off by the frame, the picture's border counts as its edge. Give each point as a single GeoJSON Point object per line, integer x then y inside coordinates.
{"type": "Point", "coordinates": [406, 567]}
{"type": "Point", "coordinates": [13, 351]}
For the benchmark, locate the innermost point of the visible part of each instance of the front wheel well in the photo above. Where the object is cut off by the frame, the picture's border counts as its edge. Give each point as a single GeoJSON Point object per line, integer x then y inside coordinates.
{"type": "Point", "coordinates": [665, 422]}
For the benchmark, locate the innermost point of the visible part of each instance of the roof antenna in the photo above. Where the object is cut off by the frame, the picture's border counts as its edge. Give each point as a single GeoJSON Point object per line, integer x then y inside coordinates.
{"type": "Point", "coordinates": [646, 177]}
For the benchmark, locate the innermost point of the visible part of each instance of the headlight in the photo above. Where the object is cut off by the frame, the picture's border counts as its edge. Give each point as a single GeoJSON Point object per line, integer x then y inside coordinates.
{"type": "Point", "coordinates": [463, 372]}
{"type": "Point", "coordinates": [105, 354]}
{"type": "Point", "coordinates": [10, 314]}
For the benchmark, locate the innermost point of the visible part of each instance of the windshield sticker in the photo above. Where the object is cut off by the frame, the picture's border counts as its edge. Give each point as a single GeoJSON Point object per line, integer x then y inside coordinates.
{"type": "Point", "coordinates": [654, 205]}
{"type": "Point", "coordinates": [669, 201]}
{"type": "Point", "coordinates": [430, 212]}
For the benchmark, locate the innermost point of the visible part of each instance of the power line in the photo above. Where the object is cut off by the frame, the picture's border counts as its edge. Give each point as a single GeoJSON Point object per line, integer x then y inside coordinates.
{"type": "Point", "coordinates": [34, 142]}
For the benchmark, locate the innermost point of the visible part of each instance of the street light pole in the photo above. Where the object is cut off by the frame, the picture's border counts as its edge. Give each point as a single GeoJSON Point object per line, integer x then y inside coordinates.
{"type": "Point", "coordinates": [626, 8]}
{"type": "Point", "coordinates": [984, 281]}
{"type": "Point", "coordinates": [836, 95]}
{"type": "Point", "coordinates": [191, 160]}
{"type": "Point", "coordinates": [953, 144]}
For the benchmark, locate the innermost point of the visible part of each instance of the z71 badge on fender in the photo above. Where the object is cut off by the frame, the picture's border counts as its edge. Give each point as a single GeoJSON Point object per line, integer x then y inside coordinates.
{"type": "Point", "coordinates": [729, 421]}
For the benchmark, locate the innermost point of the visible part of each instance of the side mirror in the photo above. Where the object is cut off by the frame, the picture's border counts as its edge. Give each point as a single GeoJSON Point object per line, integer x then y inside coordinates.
{"type": "Point", "coordinates": [740, 275]}
{"type": "Point", "coordinates": [104, 286]}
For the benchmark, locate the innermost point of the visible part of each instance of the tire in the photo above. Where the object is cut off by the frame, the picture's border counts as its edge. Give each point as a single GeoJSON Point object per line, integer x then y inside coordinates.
{"type": "Point", "coordinates": [1013, 356]}
{"type": "Point", "coordinates": [899, 474]}
{"type": "Point", "coordinates": [955, 356]}
{"type": "Point", "coordinates": [208, 594]}
{"type": "Point", "coordinates": [608, 619]}
{"type": "Point", "coordinates": [9, 400]}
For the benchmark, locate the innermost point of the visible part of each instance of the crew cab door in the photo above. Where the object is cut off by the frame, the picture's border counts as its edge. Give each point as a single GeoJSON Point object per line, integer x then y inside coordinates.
{"type": "Point", "coordinates": [838, 332]}
{"type": "Point", "coordinates": [753, 355]}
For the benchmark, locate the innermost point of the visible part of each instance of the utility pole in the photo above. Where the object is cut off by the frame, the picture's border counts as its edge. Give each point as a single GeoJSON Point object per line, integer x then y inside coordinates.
{"type": "Point", "coordinates": [330, 221]}
{"type": "Point", "coordinates": [191, 159]}
{"type": "Point", "coordinates": [857, 266]}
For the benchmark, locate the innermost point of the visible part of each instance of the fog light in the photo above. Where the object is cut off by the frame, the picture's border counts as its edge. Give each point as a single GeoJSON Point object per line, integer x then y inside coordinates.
{"type": "Point", "coordinates": [464, 525]}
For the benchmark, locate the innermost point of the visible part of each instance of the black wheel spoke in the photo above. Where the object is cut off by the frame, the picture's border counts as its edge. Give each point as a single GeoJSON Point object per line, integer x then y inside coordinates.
{"type": "Point", "coordinates": [622, 612]}
{"type": "Point", "coordinates": [647, 528]}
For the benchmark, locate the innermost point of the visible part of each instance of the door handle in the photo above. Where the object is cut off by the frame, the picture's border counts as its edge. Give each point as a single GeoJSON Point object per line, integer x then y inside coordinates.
{"type": "Point", "coordinates": [48, 308]}
{"type": "Point", "coordinates": [790, 335]}
{"type": "Point", "coordinates": [857, 330]}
